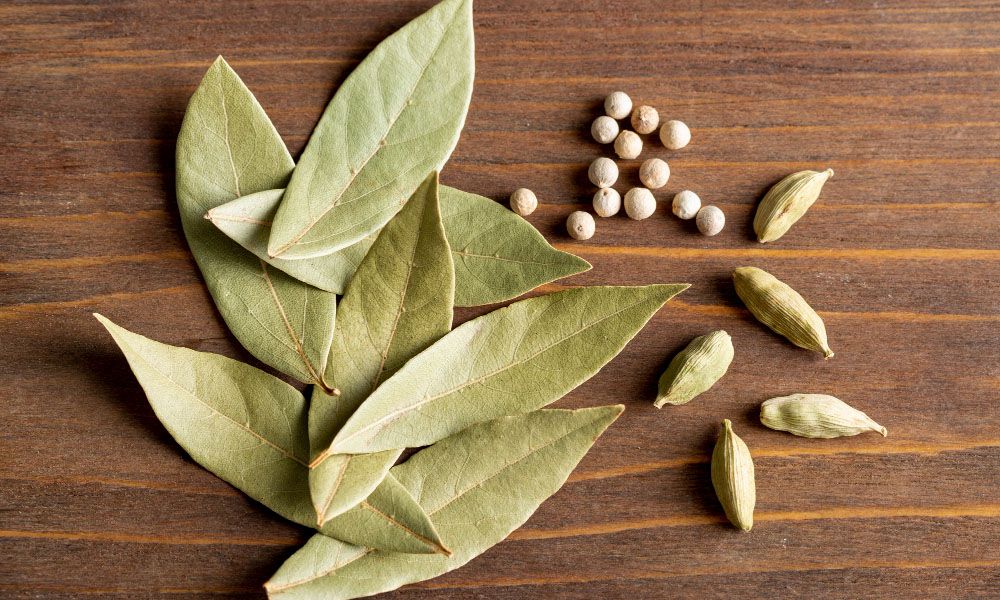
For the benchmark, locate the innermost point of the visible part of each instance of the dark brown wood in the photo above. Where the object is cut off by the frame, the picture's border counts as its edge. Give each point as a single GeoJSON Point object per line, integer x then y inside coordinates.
{"type": "Point", "coordinates": [901, 256]}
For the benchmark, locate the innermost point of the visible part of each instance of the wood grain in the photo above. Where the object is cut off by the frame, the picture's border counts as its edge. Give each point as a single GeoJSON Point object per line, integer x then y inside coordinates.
{"type": "Point", "coordinates": [901, 257]}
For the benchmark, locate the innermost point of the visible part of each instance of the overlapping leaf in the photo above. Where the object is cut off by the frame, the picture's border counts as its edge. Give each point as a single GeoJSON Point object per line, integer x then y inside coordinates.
{"type": "Point", "coordinates": [478, 486]}
{"type": "Point", "coordinates": [396, 118]}
{"type": "Point", "coordinates": [398, 303]}
{"type": "Point", "coordinates": [228, 148]}
{"type": "Point", "coordinates": [497, 254]}
{"type": "Point", "coordinates": [513, 360]}
{"type": "Point", "coordinates": [249, 428]}
{"type": "Point", "coordinates": [247, 221]}
{"type": "Point", "coordinates": [389, 519]}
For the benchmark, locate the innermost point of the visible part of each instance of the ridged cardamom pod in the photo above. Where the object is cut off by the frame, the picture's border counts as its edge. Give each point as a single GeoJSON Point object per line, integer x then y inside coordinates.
{"type": "Point", "coordinates": [816, 416]}
{"type": "Point", "coordinates": [786, 202]}
{"type": "Point", "coordinates": [781, 308]}
{"type": "Point", "coordinates": [695, 368]}
{"type": "Point", "coordinates": [732, 477]}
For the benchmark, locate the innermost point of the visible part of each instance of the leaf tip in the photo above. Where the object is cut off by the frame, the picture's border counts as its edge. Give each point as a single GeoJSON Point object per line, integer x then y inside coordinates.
{"type": "Point", "coordinates": [108, 323]}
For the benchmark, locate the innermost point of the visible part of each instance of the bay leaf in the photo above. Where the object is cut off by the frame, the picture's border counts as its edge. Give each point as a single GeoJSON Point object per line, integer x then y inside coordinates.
{"type": "Point", "coordinates": [477, 485]}
{"type": "Point", "coordinates": [399, 302]}
{"type": "Point", "coordinates": [247, 221]}
{"type": "Point", "coordinates": [388, 519]}
{"type": "Point", "coordinates": [244, 425]}
{"type": "Point", "coordinates": [513, 360]}
{"type": "Point", "coordinates": [228, 148]}
{"type": "Point", "coordinates": [497, 254]}
{"type": "Point", "coordinates": [395, 119]}
{"type": "Point", "coordinates": [249, 428]}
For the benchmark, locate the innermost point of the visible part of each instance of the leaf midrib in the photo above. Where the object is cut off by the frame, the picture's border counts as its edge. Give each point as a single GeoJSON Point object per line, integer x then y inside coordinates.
{"type": "Point", "coordinates": [393, 415]}
{"type": "Point", "coordinates": [378, 147]}
{"type": "Point", "coordinates": [395, 523]}
{"type": "Point", "coordinates": [505, 259]}
{"type": "Point", "coordinates": [225, 136]}
{"type": "Point", "coordinates": [383, 357]}
{"type": "Point", "coordinates": [299, 348]}
{"type": "Point", "coordinates": [286, 453]}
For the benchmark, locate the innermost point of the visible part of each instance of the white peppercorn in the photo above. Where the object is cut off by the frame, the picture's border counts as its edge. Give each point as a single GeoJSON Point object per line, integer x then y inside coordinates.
{"type": "Point", "coordinates": [581, 225]}
{"type": "Point", "coordinates": [675, 135]}
{"type": "Point", "coordinates": [523, 201]}
{"type": "Point", "coordinates": [710, 220]}
{"type": "Point", "coordinates": [604, 129]}
{"type": "Point", "coordinates": [645, 119]}
{"type": "Point", "coordinates": [639, 203]}
{"type": "Point", "coordinates": [628, 145]}
{"type": "Point", "coordinates": [654, 173]}
{"type": "Point", "coordinates": [603, 172]}
{"type": "Point", "coordinates": [607, 202]}
{"type": "Point", "coordinates": [686, 204]}
{"type": "Point", "coordinates": [618, 105]}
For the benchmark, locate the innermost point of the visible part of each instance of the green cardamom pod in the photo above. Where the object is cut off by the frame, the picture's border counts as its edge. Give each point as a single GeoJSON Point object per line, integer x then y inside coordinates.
{"type": "Point", "coordinates": [816, 416]}
{"type": "Point", "coordinates": [732, 477]}
{"type": "Point", "coordinates": [695, 368]}
{"type": "Point", "coordinates": [786, 202]}
{"type": "Point", "coordinates": [781, 308]}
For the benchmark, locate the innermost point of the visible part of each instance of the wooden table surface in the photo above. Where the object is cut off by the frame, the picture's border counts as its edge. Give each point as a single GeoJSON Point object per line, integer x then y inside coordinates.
{"type": "Point", "coordinates": [901, 257]}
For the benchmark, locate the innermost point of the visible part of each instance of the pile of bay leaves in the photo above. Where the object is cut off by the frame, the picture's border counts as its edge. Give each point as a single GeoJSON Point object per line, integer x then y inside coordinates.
{"type": "Point", "coordinates": [363, 216]}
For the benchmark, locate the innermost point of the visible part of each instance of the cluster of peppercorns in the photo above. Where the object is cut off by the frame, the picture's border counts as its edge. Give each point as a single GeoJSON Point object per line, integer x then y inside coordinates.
{"type": "Point", "coordinates": [654, 172]}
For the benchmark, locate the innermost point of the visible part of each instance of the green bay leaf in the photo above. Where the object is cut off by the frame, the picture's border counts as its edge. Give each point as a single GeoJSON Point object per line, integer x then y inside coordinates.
{"type": "Point", "coordinates": [249, 428]}
{"type": "Point", "coordinates": [513, 360]}
{"type": "Point", "coordinates": [477, 485]}
{"type": "Point", "coordinates": [396, 118]}
{"type": "Point", "coordinates": [497, 254]}
{"type": "Point", "coordinates": [228, 148]}
{"type": "Point", "coordinates": [399, 302]}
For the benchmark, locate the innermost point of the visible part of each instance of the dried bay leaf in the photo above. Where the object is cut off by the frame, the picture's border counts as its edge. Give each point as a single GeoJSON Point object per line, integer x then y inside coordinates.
{"type": "Point", "coordinates": [399, 302]}
{"type": "Point", "coordinates": [249, 428]}
{"type": "Point", "coordinates": [228, 148]}
{"type": "Point", "coordinates": [242, 424]}
{"type": "Point", "coordinates": [493, 475]}
{"type": "Point", "coordinates": [513, 360]}
{"type": "Point", "coordinates": [395, 119]}
{"type": "Point", "coordinates": [388, 519]}
{"type": "Point", "coordinates": [497, 254]}
{"type": "Point", "coordinates": [247, 220]}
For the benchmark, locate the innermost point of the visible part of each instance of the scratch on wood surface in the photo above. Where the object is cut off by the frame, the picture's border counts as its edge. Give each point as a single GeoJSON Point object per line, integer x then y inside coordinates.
{"type": "Point", "coordinates": [852, 512]}
{"type": "Point", "coordinates": [890, 449]}
{"type": "Point", "coordinates": [222, 489]}
{"type": "Point", "coordinates": [80, 262]}
{"type": "Point", "coordinates": [14, 311]}
{"type": "Point", "coordinates": [714, 570]}
{"type": "Point", "coordinates": [720, 310]}
{"type": "Point", "coordinates": [50, 221]}
{"type": "Point", "coordinates": [939, 254]}
{"type": "Point", "coordinates": [139, 538]}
